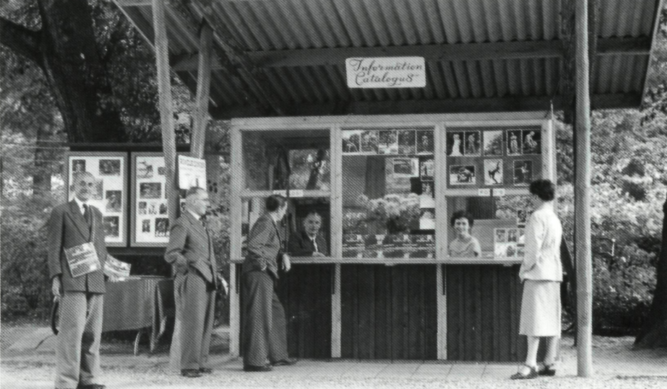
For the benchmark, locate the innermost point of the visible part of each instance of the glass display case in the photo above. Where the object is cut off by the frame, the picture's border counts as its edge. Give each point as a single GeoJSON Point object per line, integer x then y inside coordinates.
{"type": "Point", "coordinates": [387, 191]}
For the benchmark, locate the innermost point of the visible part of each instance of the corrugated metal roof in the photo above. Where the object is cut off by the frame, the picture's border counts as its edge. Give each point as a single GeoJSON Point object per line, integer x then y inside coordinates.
{"type": "Point", "coordinates": [261, 26]}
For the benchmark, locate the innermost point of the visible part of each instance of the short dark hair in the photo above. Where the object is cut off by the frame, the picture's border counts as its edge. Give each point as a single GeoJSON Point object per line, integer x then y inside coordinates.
{"type": "Point", "coordinates": [461, 215]}
{"type": "Point", "coordinates": [193, 191]}
{"type": "Point", "coordinates": [544, 189]}
{"type": "Point", "coordinates": [274, 202]}
{"type": "Point", "coordinates": [312, 212]}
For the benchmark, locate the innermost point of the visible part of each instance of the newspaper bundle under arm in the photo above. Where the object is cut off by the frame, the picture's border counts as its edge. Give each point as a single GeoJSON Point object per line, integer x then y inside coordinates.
{"type": "Point", "coordinates": [115, 268]}
{"type": "Point", "coordinates": [82, 259]}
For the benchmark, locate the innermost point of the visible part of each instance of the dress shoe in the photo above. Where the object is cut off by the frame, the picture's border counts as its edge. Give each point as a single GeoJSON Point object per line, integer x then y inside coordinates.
{"type": "Point", "coordinates": [285, 362]}
{"type": "Point", "coordinates": [205, 370]}
{"type": "Point", "coordinates": [91, 386]}
{"type": "Point", "coordinates": [190, 373]}
{"type": "Point", "coordinates": [251, 368]}
{"type": "Point", "coordinates": [531, 374]}
{"type": "Point", "coordinates": [548, 371]}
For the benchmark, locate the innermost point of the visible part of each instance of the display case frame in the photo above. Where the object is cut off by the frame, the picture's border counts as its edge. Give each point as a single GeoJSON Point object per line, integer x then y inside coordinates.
{"type": "Point", "coordinates": [441, 124]}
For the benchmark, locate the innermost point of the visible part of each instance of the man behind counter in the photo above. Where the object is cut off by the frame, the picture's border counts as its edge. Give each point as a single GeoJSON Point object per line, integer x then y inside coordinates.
{"type": "Point", "coordinates": [308, 242]}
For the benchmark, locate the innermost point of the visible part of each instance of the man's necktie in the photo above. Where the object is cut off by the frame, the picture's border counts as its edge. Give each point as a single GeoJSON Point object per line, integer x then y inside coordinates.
{"type": "Point", "coordinates": [314, 240]}
{"type": "Point", "coordinates": [87, 215]}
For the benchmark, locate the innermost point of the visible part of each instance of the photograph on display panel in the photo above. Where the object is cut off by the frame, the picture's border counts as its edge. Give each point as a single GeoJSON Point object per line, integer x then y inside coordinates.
{"type": "Point", "coordinates": [109, 192]}
{"type": "Point", "coordinates": [149, 226]}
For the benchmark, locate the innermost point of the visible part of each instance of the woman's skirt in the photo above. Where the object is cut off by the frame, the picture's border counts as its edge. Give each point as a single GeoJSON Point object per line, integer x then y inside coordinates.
{"type": "Point", "coordinates": [540, 309]}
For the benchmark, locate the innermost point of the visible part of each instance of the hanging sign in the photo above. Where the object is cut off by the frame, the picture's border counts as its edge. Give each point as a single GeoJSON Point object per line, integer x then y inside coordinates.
{"type": "Point", "coordinates": [191, 172]}
{"type": "Point", "coordinates": [386, 72]}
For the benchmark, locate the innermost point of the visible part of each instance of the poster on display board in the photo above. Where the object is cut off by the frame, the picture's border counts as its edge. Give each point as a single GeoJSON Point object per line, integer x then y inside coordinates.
{"type": "Point", "coordinates": [150, 224]}
{"type": "Point", "coordinates": [110, 194]}
{"type": "Point", "coordinates": [191, 172]}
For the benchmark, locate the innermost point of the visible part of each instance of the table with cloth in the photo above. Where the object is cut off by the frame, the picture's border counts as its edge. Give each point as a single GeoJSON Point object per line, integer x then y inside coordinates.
{"type": "Point", "coordinates": [139, 303]}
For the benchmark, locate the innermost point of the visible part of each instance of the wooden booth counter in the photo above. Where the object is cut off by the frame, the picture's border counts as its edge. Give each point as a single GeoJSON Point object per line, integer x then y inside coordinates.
{"type": "Point", "coordinates": [386, 187]}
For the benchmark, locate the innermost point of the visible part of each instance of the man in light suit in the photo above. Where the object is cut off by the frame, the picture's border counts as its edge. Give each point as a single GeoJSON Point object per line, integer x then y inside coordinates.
{"type": "Point", "coordinates": [190, 250]}
{"type": "Point", "coordinates": [81, 298]}
{"type": "Point", "coordinates": [265, 333]}
{"type": "Point", "coordinates": [308, 242]}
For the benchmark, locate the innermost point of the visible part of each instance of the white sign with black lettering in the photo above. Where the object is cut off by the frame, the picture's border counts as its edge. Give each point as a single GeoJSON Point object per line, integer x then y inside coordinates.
{"type": "Point", "coordinates": [386, 72]}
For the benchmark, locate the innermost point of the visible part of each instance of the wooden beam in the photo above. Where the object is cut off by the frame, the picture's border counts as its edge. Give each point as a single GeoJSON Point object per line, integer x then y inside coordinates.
{"type": "Point", "coordinates": [239, 61]}
{"type": "Point", "coordinates": [469, 51]}
{"type": "Point", "coordinates": [654, 37]}
{"type": "Point", "coordinates": [567, 66]}
{"type": "Point", "coordinates": [203, 88]}
{"type": "Point", "coordinates": [582, 201]}
{"type": "Point", "coordinates": [434, 106]}
{"type": "Point", "coordinates": [168, 143]}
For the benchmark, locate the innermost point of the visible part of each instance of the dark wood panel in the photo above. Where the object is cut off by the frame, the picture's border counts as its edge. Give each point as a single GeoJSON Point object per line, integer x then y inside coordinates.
{"type": "Point", "coordinates": [483, 306]}
{"type": "Point", "coordinates": [305, 293]}
{"type": "Point", "coordinates": [389, 312]}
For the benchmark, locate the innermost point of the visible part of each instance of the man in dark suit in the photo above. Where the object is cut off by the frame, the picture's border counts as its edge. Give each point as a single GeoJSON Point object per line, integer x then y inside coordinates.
{"type": "Point", "coordinates": [308, 242]}
{"type": "Point", "coordinates": [82, 297]}
{"type": "Point", "coordinates": [265, 333]}
{"type": "Point", "coordinates": [190, 250]}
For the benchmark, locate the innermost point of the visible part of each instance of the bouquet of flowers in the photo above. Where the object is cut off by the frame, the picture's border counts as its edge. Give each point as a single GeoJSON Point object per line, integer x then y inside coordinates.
{"type": "Point", "coordinates": [396, 213]}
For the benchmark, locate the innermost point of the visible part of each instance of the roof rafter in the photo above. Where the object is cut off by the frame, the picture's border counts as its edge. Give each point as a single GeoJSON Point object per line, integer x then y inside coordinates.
{"type": "Point", "coordinates": [497, 50]}
{"type": "Point", "coordinates": [499, 104]}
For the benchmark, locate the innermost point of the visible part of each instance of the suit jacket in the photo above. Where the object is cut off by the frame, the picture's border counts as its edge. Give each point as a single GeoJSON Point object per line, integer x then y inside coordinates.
{"type": "Point", "coordinates": [190, 248]}
{"type": "Point", "coordinates": [68, 228]}
{"type": "Point", "coordinates": [300, 245]}
{"type": "Point", "coordinates": [264, 246]}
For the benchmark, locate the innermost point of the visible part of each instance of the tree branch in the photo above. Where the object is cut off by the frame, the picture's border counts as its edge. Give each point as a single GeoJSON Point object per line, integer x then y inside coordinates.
{"type": "Point", "coordinates": [21, 40]}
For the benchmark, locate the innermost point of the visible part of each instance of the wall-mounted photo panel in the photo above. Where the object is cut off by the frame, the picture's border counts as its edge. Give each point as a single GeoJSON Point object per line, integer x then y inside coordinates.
{"type": "Point", "coordinates": [388, 142]}
{"type": "Point", "coordinates": [352, 141]}
{"type": "Point", "coordinates": [406, 142]}
{"type": "Point", "coordinates": [493, 143]}
{"type": "Point", "coordinates": [514, 142]}
{"type": "Point", "coordinates": [425, 142]}
{"type": "Point", "coordinates": [426, 169]}
{"type": "Point", "coordinates": [493, 172]}
{"type": "Point", "coordinates": [150, 224]}
{"type": "Point", "coordinates": [532, 141]}
{"type": "Point", "coordinates": [455, 144]}
{"type": "Point", "coordinates": [369, 142]}
{"type": "Point", "coordinates": [462, 175]}
{"type": "Point", "coordinates": [110, 192]}
{"type": "Point", "coordinates": [472, 142]}
{"type": "Point", "coordinates": [523, 172]}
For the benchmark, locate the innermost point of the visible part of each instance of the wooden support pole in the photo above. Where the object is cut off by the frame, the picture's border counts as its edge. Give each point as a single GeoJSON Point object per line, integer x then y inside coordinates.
{"type": "Point", "coordinates": [582, 195]}
{"type": "Point", "coordinates": [168, 143]}
{"type": "Point", "coordinates": [203, 89]}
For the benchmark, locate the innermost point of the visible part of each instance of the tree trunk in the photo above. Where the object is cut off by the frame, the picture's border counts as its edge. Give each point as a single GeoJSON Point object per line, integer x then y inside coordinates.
{"type": "Point", "coordinates": [654, 333]}
{"type": "Point", "coordinates": [41, 177]}
{"type": "Point", "coordinates": [76, 73]}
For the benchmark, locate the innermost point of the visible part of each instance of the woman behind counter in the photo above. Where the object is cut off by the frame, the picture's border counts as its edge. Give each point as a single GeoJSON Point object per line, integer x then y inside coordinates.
{"type": "Point", "coordinates": [541, 273]}
{"type": "Point", "coordinates": [465, 245]}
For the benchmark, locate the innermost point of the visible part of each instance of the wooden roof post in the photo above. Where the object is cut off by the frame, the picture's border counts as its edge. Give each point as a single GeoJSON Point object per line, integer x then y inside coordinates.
{"type": "Point", "coordinates": [168, 140]}
{"type": "Point", "coordinates": [203, 88]}
{"type": "Point", "coordinates": [582, 194]}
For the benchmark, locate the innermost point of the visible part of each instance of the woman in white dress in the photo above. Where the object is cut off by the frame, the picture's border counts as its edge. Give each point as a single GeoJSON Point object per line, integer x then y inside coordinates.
{"type": "Point", "coordinates": [541, 273]}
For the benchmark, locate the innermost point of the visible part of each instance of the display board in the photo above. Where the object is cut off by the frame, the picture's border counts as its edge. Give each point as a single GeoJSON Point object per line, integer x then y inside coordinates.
{"type": "Point", "coordinates": [150, 219]}
{"type": "Point", "coordinates": [110, 195]}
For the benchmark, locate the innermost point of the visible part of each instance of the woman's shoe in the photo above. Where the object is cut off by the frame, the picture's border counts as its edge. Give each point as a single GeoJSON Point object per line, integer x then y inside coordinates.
{"type": "Point", "coordinates": [548, 370]}
{"type": "Point", "coordinates": [531, 374]}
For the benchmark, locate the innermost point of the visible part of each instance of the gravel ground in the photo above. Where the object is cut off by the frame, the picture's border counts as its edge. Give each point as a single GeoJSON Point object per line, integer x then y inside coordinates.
{"type": "Point", "coordinates": [36, 377]}
{"type": "Point", "coordinates": [616, 366]}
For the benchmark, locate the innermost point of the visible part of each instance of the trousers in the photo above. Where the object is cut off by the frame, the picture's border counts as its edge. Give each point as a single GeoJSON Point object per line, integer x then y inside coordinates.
{"type": "Point", "coordinates": [79, 337]}
{"type": "Point", "coordinates": [265, 330]}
